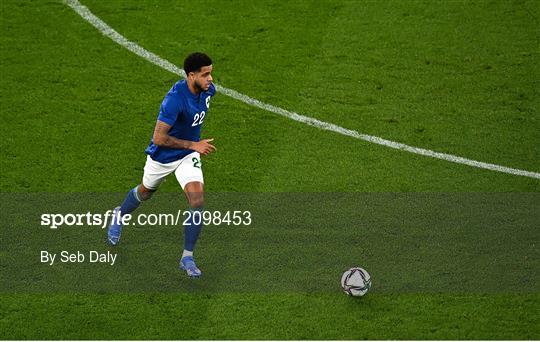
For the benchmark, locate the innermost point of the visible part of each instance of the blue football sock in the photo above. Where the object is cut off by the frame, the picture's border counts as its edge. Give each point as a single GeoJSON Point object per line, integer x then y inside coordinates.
{"type": "Point", "coordinates": [192, 229]}
{"type": "Point", "coordinates": [131, 202]}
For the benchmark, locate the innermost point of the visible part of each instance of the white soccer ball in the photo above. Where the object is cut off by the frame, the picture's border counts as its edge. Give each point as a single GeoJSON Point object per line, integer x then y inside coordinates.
{"type": "Point", "coordinates": [356, 281]}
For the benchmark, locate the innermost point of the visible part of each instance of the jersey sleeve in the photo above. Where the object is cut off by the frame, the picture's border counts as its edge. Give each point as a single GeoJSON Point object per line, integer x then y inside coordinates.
{"type": "Point", "coordinates": [170, 108]}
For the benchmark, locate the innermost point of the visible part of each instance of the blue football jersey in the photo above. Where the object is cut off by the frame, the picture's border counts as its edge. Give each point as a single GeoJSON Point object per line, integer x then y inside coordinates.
{"type": "Point", "coordinates": [185, 112]}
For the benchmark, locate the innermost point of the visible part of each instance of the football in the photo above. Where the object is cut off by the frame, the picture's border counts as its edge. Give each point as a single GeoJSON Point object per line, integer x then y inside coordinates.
{"type": "Point", "coordinates": [356, 281]}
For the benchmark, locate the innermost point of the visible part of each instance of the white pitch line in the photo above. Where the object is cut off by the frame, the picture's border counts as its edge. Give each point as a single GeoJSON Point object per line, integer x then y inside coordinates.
{"type": "Point", "coordinates": [108, 31]}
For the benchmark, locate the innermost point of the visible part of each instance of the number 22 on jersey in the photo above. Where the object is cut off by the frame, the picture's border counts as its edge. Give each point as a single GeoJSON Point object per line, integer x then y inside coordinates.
{"type": "Point", "coordinates": [198, 119]}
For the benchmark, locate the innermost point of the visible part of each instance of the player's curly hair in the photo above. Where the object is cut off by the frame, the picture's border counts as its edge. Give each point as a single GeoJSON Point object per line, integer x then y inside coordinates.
{"type": "Point", "coordinates": [195, 61]}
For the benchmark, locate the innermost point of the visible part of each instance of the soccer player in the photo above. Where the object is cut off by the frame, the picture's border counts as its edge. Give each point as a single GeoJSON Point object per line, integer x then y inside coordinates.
{"type": "Point", "coordinates": [176, 147]}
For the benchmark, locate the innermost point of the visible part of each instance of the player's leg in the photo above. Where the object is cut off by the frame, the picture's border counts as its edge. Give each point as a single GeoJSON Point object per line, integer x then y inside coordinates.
{"type": "Point", "coordinates": [131, 202]}
{"type": "Point", "coordinates": [192, 227]}
{"type": "Point", "coordinates": [154, 174]}
{"type": "Point", "coordinates": [190, 177]}
{"type": "Point", "coordinates": [195, 196]}
{"type": "Point", "coordinates": [135, 197]}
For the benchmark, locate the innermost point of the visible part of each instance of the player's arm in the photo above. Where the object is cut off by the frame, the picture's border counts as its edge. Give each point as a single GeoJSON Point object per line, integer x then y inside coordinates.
{"type": "Point", "coordinates": [162, 138]}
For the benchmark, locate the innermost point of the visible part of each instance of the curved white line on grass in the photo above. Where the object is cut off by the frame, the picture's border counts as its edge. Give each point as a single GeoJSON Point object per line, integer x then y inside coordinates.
{"type": "Point", "coordinates": [108, 31]}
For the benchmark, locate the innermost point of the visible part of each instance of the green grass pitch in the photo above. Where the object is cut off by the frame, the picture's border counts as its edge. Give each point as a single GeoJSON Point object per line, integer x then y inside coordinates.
{"type": "Point", "coordinates": [457, 77]}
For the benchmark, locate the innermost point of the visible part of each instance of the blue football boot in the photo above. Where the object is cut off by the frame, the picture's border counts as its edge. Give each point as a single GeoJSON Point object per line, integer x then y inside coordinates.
{"type": "Point", "coordinates": [115, 229]}
{"type": "Point", "coordinates": [188, 264]}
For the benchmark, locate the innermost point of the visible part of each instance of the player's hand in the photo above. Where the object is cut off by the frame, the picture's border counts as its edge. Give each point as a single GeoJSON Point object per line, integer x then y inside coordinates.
{"type": "Point", "coordinates": [203, 147]}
